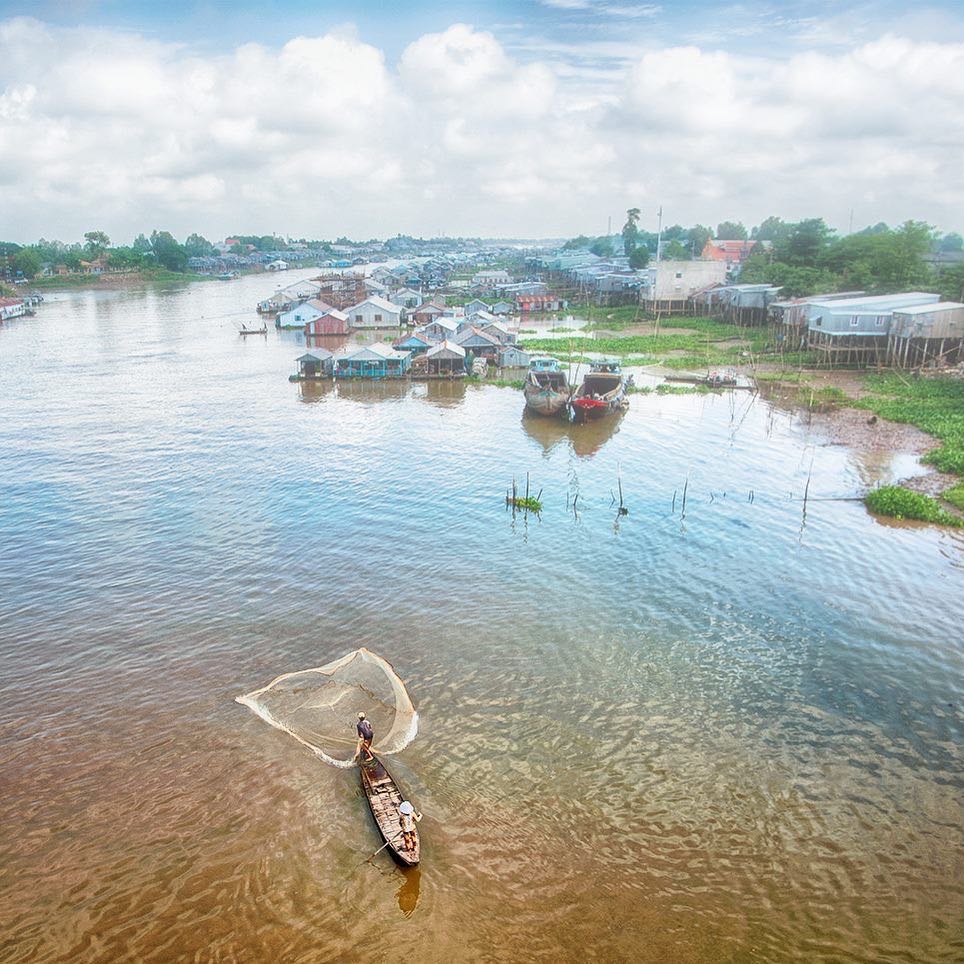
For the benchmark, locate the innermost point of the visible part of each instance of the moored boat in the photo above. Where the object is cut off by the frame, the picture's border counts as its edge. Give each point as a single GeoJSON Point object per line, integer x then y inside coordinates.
{"type": "Point", "coordinates": [385, 799]}
{"type": "Point", "coordinates": [602, 392]}
{"type": "Point", "coordinates": [546, 389]}
{"type": "Point", "coordinates": [263, 330]}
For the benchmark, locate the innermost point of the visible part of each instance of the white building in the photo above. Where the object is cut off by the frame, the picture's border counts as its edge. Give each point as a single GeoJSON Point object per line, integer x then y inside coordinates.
{"type": "Point", "coordinates": [407, 298]}
{"type": "Point", "coordinates": [278, 265]}
{"type": "Point", "coordinates": [677, 280]}
{"type": "Point", "coordinates": [300, 315]}
{"type": "Point", "coordinates": [374, 312]}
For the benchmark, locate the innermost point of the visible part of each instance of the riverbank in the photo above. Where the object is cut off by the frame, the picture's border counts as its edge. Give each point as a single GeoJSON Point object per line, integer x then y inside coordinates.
{"type": "Point", "coordinates": [889, 412]}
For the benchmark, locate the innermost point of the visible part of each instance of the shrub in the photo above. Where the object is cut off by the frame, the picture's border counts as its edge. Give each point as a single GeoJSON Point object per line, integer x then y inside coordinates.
{"type": "Point", "coordinates": [901, 503]}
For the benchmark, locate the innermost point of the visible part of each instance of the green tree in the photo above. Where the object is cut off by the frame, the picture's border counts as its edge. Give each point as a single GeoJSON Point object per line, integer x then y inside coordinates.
{"type": "Point", "coordinates": [805, 244]}
{"type": "Point", "coordinates": [771, 229]}
{"type": "Point", "coordinates": [580, 243]}
{"type": "Point", "coordinates": [696, 237]}
{"type": "Point", "coordinates": [951, 242]}
{"type": "Point", "coordinates": [168, 252]}
{"type": "Point", "coordinates": [141, 244]}
{"type": "Point", "coordinates": [631, 231]}
{"type": "Point", "coordinates": [950, 283]}
{"type": "Point", "coordinates": [639, 258]}
{"type": "Point", "coordinates": [198, 246]}
{"type": "Point", "coordinates": [28, 262]}
{"type": "Point", "coordinates": [731, 231]}
{"type": "Point", "coordinates": [675, 232]}
{"type": "Point", "coordinates": [602, 246]}
{"type": "Point", "coordinates": [675, 250]}
{"type": "Point", "coordinates": [96, 242]}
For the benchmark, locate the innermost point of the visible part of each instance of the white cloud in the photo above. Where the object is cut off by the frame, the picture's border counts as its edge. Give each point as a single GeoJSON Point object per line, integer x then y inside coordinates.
{"type": "Point", "coordinates": [322, 136]}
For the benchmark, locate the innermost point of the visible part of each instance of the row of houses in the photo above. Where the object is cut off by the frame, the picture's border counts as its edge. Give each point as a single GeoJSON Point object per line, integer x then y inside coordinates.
{"type": "Point", "coordinates": [444, 359]}
{"type": "Point", "coordinates": [907, 329]}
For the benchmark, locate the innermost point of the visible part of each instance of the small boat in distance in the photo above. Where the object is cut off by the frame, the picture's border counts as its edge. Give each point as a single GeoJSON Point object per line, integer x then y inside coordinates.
{"type": "Point", "coordinates": [546, 389]}
{"type": "Point", "coordinates": [384, 799]}
{"type": "Point", "coordinates": [602, 392]}
{"type": "Point", "coordinates": [263, 330]}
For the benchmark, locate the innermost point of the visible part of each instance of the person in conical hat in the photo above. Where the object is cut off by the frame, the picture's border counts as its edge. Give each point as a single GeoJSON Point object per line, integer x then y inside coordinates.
{"type": "Point", "coordinates": [408, 816]}
{"type": "Point", "coordinates": [366, 733]}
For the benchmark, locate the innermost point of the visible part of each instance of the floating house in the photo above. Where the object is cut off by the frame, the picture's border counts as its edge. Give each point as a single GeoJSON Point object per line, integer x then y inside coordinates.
{"type": "Point", "coordinates": [332, 322]}
{"type": "Point", "coordinates": [478, 344]}
{"type": "Point", "coordinates": [497, 330]}
{"type": "Point", "coordinates": [427, 312]}
{"type": "Point", "coordinates": [373, 361]}
{"type": "Point", "coordinates": [406, 298]}
{"type": "Point", "coordinates": [375, 312]}
{"type": "Point", "coordinates": [318, 365]}
{"type": "Point", "coordinates": [439, 329]}
{"type": "Point", "coordinates": [301, 314]}
{"type": "Point", "coordinates": [502, 308]}
{"type": "Point", "coordinates": [446, 359]}
{"type": "Point", "coordinates": [416, 343]}
{"type": "Point", "coordinates": [277, 265]}
{"type": "Point", "coordinates": [514, 357]}
{"type": "Point", "coordinates": [287, 297]}
{"type": "Point", "coordinates": [12, 308]}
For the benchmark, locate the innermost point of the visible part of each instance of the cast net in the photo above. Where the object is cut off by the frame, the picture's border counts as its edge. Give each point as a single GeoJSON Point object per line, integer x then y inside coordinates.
{"type": "Point", "coordinates": [319, 707]}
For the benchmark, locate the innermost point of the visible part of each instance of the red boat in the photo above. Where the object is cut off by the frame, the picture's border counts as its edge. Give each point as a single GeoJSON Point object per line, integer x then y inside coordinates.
{"type": "Point", "coordinates": [602, 392]}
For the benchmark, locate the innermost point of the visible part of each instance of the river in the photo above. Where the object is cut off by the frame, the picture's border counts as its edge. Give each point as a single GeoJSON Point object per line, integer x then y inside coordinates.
{"type": "Point", "coordinates": [732, 735]}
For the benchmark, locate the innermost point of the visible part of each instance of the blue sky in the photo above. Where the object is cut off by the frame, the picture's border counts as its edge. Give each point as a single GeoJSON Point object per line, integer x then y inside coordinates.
{"type": "Point", "coordinates": [475, 117]}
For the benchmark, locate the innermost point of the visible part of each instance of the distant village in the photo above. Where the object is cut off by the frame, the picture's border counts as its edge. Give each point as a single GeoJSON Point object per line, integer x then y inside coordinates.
{"type": "Point", "coordinates": [456, 304]}
{"type": "Point", "coordinates": [455, 329]}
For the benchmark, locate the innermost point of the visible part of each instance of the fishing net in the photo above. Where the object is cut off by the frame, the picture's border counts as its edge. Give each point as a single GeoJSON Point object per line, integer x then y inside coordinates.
{"type": "Point", "coordinates": [319, 707]}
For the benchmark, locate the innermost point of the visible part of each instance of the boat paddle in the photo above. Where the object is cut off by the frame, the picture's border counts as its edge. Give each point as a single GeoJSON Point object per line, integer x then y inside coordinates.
{"type": "Point", "coordinates": [381, 848]}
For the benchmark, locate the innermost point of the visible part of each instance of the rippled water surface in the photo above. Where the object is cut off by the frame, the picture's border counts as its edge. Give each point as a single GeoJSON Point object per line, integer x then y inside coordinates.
{"type": "Point", "coordinates": [730, 736]}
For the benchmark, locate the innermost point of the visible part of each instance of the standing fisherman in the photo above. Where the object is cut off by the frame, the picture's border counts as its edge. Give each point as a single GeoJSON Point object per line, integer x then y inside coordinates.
{"type": "Point", "coordinates": [365, 736]}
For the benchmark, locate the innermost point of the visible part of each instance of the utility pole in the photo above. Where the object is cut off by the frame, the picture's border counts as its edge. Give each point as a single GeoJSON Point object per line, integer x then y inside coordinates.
{"type": "Point", "coordinates": [609, 227]}
{"type": "Point", "coordinates": [659, 231]}
{"type": "Point", "coordinates": [851, 230]}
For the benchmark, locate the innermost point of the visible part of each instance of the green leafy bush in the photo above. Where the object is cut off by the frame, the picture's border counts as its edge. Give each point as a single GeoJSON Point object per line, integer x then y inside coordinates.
{"type": "Point", "coordinates": [901, 503]}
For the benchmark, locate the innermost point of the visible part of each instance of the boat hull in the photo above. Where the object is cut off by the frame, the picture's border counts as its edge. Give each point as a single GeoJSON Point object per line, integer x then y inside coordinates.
{"type": "Point", "coordinates": [546, 402]}
{"type": "Point", "coordinates": [384, 798]}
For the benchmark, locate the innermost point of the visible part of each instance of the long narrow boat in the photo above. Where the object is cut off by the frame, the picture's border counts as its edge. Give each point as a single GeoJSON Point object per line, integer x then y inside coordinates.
{"type": "Point", "coordinates": [602, 392]}
{"type": "Point", "coordinates": [546, 389]}
{"type": "Point", "coordinates": [384, 798]}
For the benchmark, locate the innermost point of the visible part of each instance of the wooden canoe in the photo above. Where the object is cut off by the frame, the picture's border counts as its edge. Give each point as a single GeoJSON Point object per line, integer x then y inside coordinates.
{"type": "Point", "coordinates": [384, 798]}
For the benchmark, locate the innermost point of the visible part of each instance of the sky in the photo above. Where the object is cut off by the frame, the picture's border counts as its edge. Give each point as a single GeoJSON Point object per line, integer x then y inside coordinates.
{"type": "Point", "coordinates": [544, 118]}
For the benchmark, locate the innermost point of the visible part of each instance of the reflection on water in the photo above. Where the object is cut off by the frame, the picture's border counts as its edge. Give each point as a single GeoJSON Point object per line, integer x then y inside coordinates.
{"type": "Point", "coordinates": [316, 390]}
{"type": "Point", "coordinates": [372, 391]}
{"type": "Point", "coordinates": [407, 894]}
{"type": "Point", "coordinates": [651, 742]}
{"type": "Point", "coordinates": [585, 439]}
{"type": "Point", "coordinates": [332, 343]}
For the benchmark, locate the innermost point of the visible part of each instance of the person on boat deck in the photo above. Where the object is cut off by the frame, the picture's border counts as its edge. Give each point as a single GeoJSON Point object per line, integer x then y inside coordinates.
{"type": "Point", "coordinates": [365, 736]}
{"type": "Point", "coordinates": [408, 817]}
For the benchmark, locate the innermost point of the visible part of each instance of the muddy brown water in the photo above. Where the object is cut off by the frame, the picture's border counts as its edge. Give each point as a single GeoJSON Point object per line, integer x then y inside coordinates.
{"type": "Point", "coordinates": [730, 736]}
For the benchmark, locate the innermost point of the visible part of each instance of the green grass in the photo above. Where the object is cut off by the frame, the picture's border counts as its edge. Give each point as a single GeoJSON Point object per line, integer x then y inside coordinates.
{"type": "Point", "coordinates": [935, 405]}
{"type": "Point", "coordinates": [900, 503]}
{"type": "Point", "coordinates": [530, 503]}
{"type": "Point", "coordinates": [955, 495]}
{"type": "Point", "coordinates": [667, 389]}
